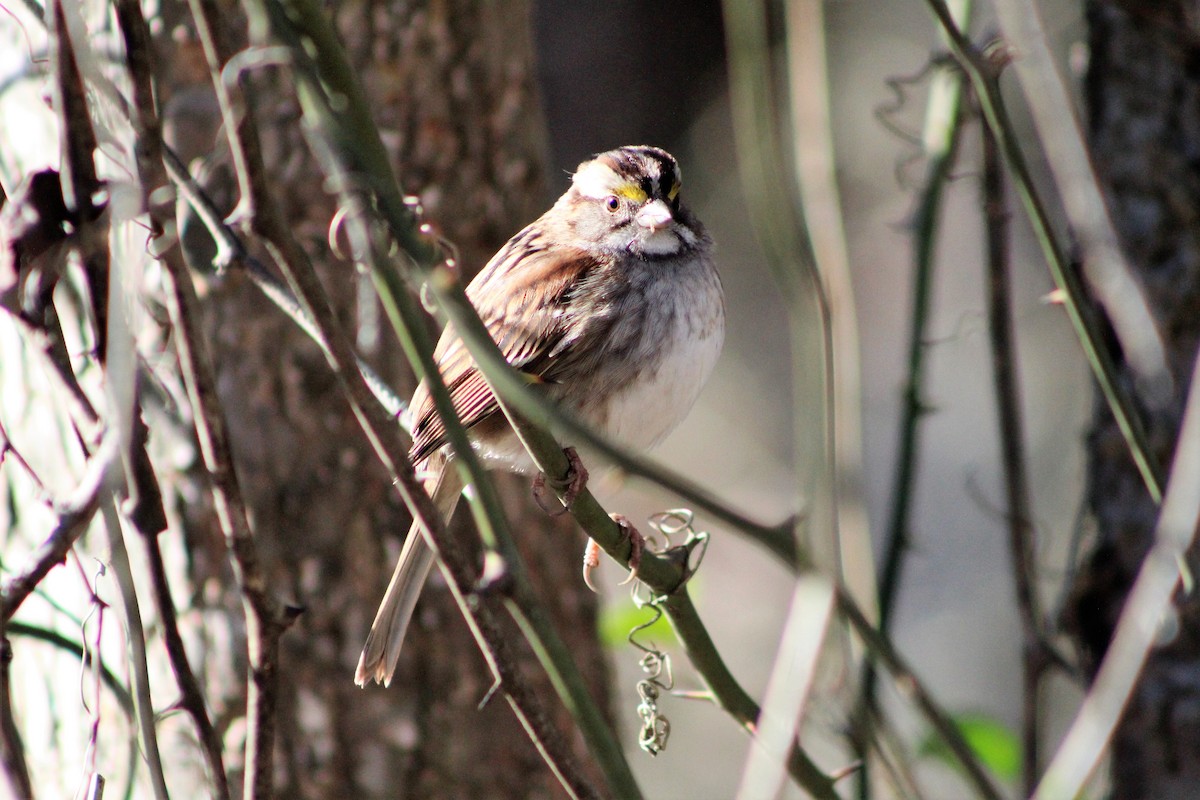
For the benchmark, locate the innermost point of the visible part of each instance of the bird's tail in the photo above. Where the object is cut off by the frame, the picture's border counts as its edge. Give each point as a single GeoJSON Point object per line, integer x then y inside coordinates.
{"type": "Point", "coordinates": [382, 650]}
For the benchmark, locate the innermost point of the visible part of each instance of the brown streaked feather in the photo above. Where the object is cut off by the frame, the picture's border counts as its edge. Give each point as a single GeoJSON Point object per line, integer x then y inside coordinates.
{"type": "Point", "coordinates": [519, 295]}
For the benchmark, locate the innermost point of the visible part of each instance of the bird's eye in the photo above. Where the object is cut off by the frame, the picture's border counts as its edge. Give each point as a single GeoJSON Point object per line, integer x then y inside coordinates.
{"type": "Point", "coordinates": [612, 202]}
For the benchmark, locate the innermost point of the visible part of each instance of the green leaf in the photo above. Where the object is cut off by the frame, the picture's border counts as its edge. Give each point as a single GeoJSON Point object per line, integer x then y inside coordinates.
{"type": "Point", "coordinates": [996, 745]}
{"type": "Point", "coordinates": [616, 621]}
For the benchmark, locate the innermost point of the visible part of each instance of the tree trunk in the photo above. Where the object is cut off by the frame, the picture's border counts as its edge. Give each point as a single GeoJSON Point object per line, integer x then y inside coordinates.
{"type": "Point", "coordinates": [1143, 95]}
{"type": "Point", "coordinates": [451, 87]}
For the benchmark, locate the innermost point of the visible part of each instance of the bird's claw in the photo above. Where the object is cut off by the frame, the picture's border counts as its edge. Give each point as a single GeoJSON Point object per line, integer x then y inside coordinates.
{"type": "Point", "coordinates": [574, 482]}
{"type": "Point", "coordinates": [591, 560]}
{"type": "Point", "coordinates": [637, 544]}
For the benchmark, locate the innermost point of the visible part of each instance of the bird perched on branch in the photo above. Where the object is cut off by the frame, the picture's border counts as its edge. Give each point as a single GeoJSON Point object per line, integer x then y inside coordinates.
{"type": "Point", "coordinates": [611, 303]}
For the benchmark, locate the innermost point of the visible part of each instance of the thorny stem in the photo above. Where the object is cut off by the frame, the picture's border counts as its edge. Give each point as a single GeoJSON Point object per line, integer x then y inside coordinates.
{"type": "Point", "coordinates": [984, 80]}
{"type": "Point", "coordinates": [943, 146]}
{"type": "Point", "coordinates": [1021, 534]}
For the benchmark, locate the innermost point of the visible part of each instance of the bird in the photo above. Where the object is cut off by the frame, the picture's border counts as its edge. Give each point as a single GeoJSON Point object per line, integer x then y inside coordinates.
{"type": "Point", "coordinates": [610, 303]}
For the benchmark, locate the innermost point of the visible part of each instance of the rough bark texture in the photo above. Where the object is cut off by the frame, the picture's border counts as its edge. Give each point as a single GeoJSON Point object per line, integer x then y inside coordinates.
{"type": "Point", "coordinates": [452, 90]}
{"type": "Point", "coordinates": [1144, 104]}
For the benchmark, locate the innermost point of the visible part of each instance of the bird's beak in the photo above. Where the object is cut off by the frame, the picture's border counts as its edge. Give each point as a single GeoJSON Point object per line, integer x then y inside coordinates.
{"type": "Point", "coordinates": [655, 215]}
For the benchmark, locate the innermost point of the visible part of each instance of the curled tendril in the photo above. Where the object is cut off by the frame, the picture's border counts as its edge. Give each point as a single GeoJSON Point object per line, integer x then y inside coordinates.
{"type": "Point", "coordinates": [656, 664]}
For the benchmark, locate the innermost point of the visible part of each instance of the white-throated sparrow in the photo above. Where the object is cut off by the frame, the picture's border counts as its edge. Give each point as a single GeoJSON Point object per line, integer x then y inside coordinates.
{"type": "Point", "coordinates": [611, 301]}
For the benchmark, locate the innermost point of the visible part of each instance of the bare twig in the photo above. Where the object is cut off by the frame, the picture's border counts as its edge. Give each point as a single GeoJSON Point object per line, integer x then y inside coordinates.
{"type": "Point", "coordinates": [139, 56]}
{"type": "Point", "coordinates": [943, 126]}
{"type": "Point", "coordinates": [814, 158]}
{"type": "Point", "coordinates": [266, 619]}
{"type": "Point", "coordinates": [1104, 264]}
{"type": "Point", "coordinates": [80, 184]}
{"type": "Point", "coordinates": [984, 77]}
{"type": "Point", "coordinates": [119, 692]}
{"type": "Point", "coordinates": [80, 187]}
{"type": "Point", "coordinates": [73, 518]}
{"type": "Point", "coordinates": [1019, 515]}
{"type": "Point", "coordinates": [191, 694]}
{"type": "Point", "coordinates": [135, 641]}
{"type": "Point", "coordinates": [781, 224]}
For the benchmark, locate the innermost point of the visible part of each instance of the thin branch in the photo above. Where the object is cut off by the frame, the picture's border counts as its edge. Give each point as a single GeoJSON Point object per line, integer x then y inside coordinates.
{"type": "Point", "coordinates": [1019, 515]}
{"type": "Point", "coordinates": [943, 127]}
{"type": "Point", "coordinates": [119, 692]}
{"type": "Point", "coordinates": [135, 647]}
{"type": "Point", "coordinates": [266, 619]}
{"type": "Point", "coordinates": [191, 694]}
{"type": "Point", "coordinates": [1108, 273]}
{"type": "Point", "coordinates": [74, 515]}
{"type": "Point", "coordinates": [80, 184]}
{"type": "Point", "coordinates": [139, 55]}
{"type": "Point", "coordinates": [925, 225]}
{"type": "Point", "coordinates": [983, 75]}
{"type": "Point", "coordinates": [115, 350]}
{"type": "Point", "coordinates": [781, 226]}
{"type": "Point", "coordinates": [814, 157]}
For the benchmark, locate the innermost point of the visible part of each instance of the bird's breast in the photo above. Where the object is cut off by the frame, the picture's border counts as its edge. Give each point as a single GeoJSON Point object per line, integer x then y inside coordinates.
{"type": "Point", "coordinates": [672, 355]}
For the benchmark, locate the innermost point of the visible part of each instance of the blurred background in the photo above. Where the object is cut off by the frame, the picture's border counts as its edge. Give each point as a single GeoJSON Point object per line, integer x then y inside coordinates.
{"type": "Point", "coordinates": [617, 72]}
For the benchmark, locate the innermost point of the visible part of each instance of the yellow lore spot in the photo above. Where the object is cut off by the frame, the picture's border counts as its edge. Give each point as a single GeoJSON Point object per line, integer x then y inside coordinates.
{"type": "Point", "coordinates": [630, 191]}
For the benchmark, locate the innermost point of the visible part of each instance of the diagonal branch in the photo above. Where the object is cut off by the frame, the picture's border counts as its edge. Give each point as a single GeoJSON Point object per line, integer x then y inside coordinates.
{"type": "Point", "coordinates": [1108, 273]}
{"type": "Point", "coordinates": [377, 422]}
{"type": "Point", "coordinates": [1019, 512]}
{"type": "Point", "coordinates": [74, 515]}
{"type": "Point", "coordinates": [984, 79]}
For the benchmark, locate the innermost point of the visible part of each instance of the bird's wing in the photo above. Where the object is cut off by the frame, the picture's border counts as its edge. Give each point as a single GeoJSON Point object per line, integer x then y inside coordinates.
{"type": "Point", "coordinates": [522, 296]}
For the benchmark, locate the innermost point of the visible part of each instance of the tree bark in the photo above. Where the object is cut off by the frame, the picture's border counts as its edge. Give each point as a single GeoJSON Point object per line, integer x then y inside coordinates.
{"type": "Point", "coordinates": [452, 88]}
{"type": "Point", "coordinates": [1143, 94]}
